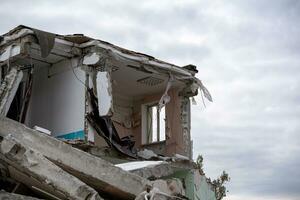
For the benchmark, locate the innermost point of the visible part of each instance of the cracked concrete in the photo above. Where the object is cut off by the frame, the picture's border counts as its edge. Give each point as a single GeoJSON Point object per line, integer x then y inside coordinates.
{"type": "Point", "coordinates": [91, 170]}
{"type": "Point", "coordinates": [9, 196]}
{"type": "Point", "coordinates": [9, 88]}
{"type": "Point", "coordinates": [31, 162]}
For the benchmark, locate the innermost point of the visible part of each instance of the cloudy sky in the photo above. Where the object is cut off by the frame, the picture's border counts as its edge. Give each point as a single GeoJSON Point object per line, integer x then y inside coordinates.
{"type": "Point", "coordinates": [247, 53]}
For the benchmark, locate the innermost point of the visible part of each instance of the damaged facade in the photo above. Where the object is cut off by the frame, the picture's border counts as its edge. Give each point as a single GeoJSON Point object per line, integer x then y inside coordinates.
{"type": "Point", "coordinates": [84, 119]}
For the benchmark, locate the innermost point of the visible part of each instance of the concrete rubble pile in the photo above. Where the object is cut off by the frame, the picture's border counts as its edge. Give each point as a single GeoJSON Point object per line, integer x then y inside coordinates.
{"type": "Point", "coordinates": [49, 167]}
{"type": "Point", "coordinates": [84, 119]}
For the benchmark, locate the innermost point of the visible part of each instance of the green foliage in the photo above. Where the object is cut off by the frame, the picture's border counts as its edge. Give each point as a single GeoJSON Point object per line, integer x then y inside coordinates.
{"type": "Point", "coordinates": [220, 189]}
{"type": "Point", "coordinates": [199, 164]}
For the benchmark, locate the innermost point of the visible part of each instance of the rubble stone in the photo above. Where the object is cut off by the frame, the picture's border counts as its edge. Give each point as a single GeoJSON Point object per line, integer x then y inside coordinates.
{"type": "Point", "coordinates": [95, 172]}
{"type": "Point", "coordinates": [171, 186]}
{"type": "Point", "coordinates": [48, 174]}
{"type": "Point", "coordinates": [10, 196]}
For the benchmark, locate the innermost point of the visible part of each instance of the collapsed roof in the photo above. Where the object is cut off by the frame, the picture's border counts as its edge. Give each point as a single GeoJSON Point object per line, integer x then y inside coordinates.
{"type": "Point", "coordinates": [49, 48]}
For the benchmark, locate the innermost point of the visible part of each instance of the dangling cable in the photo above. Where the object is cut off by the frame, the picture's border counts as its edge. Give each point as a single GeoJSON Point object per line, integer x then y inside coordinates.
{"type": "Point", "coordinates": [71, 66]}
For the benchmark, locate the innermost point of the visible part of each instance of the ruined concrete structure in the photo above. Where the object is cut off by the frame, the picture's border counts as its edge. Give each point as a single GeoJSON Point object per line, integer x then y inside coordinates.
{"type": "Point", "coordinates": [84, 119]}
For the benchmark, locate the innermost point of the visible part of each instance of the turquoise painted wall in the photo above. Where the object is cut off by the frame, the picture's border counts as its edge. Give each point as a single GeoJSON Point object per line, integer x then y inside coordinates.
{"type": "Point", "coordinates": [79, 135]}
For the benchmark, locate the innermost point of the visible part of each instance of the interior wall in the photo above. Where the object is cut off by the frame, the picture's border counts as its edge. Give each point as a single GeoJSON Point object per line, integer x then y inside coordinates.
{"type": "Point", "coordinates": [127, 114]}
{"type": "Point", "coordinates": [123, 115]}
{"type": "Point", "coordinates": [123, 106]}
{"type": "Point", "coordinates": [174, 138]}
{"type": "Point", "coordinates": [174, 132]}
{"type": "Point", "coordinates": [57, 102]}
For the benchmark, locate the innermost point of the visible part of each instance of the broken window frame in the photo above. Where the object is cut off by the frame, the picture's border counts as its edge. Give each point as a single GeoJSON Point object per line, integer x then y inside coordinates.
{"type": "Point", "coordinates": [151, 136]}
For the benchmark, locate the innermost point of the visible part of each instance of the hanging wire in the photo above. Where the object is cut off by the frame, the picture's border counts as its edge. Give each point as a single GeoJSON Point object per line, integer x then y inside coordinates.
{"type": "Point", "coordinates": [71, 66]}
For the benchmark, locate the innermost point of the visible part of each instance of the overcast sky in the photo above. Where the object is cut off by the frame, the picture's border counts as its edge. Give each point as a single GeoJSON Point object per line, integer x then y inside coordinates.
{"type": "Point", "coordinates": [247, 53]}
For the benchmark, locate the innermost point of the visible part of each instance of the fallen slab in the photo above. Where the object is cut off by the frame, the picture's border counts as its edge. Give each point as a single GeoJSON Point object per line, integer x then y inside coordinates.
{"type": "Point", "coordinates": [5, 196]}
{"type": "Point", "coordinates": [95, 172]}
{"type": "Point", "coordinates": [170, 187]}
{"type": "Point", "coordinates": [149, 169]}
{"type": "Point", "coordinates": [52, 178]}
{"type": "Point", "coordinates": [155, 170]}
{"type": "Point", "coordinates": [157, 194]}
{"type": "Point", "coordinates": [9, 88]}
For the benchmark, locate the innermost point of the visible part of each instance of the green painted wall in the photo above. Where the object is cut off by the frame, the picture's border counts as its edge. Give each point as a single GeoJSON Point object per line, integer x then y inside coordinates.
{"type": "Point", "coordinates": [203, 190]}
{"type": "Point", "coordinates": [196, 185]}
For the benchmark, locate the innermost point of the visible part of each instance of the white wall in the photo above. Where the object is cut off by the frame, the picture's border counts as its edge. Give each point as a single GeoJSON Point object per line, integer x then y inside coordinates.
{"type": "Point", "coordinates": [104, 92]}
{"type": "Point", "coordinates": [57, 103]}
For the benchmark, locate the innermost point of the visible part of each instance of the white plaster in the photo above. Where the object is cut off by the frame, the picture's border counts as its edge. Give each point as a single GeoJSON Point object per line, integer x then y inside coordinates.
{"type": "Point", "coordinates": [22, 32]}
{"type": "Point", "coordinates": [11, 94]}
{"type": "Point", "coordinates": [138, 165]}
{"type": "Point", "coordinates": [181, 157]}
{"type": "Point", "coordinates": [104, 93]}
{"type": "Point", "coordinates": [42, 130]}
{"type": "Point", "coordinates": [10, 51]}
{"type": "Point", "coordinates": [91, 59]}
{"type": "Point", "coordinates": [91, 134]}
{"type": "Point", "coordinates": [165, 98]}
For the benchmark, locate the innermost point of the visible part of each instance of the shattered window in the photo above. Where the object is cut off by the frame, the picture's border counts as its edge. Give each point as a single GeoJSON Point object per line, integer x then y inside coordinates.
{"type": "Point", "coordinates": [155, 124]}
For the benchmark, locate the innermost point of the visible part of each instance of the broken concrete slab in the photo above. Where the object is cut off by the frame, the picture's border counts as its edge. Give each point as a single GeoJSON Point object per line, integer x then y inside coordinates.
{"type": "Point", "coordinates": [9, 52]}
{"type": "Point", "coordinates": [95, 172]}
{"type": "Point", "coordinates": [149, 169]}
{"type": "Point", "coordinates": [8, 89]}
{"type": "Point", "coordinates": [157, 194]}
{"type": "Point", "coordinates": [54, 179]}
{"type": "Point", "coordinates": [11, 196]}
{"type": "Point", "coordinates": [147, 154]}
{"type": "Point", "coordinates": [130, 166]}
{"type": "Point", "coordinates": [171, 187]}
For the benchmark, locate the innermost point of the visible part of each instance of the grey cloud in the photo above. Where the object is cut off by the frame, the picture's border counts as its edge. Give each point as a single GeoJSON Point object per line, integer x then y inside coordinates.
{"type": "Point", "coordinates": [248, 59]}
{"type": "Point", "coordinates": [186, 52]}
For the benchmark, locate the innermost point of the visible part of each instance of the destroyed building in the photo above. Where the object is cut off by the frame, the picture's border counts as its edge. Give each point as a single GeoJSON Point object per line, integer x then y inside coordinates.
{"type": "Point", "coordinates": [84, 119]}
